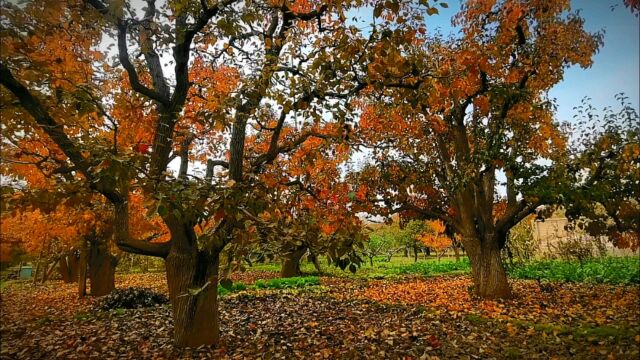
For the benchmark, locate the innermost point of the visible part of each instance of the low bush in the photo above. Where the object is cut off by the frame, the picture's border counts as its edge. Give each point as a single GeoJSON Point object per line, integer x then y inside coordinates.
{"type": "Point", "coordinates": [288, 283]}
{"type": "Point", "coordinates": [131, 298]}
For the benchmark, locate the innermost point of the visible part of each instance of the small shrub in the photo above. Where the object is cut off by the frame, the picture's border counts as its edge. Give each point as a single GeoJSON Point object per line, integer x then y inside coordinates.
{"type": "Point", "coordinates": [131, 298]}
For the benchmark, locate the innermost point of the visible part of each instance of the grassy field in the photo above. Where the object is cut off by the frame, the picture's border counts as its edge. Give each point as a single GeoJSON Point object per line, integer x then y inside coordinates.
{"type": "Point", "coordinates": [623, 270]}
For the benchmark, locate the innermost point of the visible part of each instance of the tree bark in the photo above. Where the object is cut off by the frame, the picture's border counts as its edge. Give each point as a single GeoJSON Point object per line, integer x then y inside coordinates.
{"type": "Point", "coordinates": [415, 253]}
{"type": "Point", "coordinates": [291, 263]}
{"type": "Point", "coordinates": [195, 315]}
{"type": "Point", "coordinates": [102, 269]}
{"type": "Point", "coordinates": [489, 275]}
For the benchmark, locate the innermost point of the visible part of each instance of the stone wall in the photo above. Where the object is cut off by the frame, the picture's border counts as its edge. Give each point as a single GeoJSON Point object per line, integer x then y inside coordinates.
{"type": "Point", "coordinates": [550, 232]}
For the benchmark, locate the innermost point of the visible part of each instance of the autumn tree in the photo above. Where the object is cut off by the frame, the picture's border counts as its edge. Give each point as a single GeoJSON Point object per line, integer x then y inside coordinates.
{"type": "Point", "coordinates": [382, 240]}
{"type": "Point", "coordinates": [296, 63]}
{"type": "Point", "coordinates": [466, 110]}
{"type": "Point", "coordinates": [58, 237]}
{"type": "Point", "coordinates": [434, 237]}
{"type": "Point", "coordinates": [314, 205]}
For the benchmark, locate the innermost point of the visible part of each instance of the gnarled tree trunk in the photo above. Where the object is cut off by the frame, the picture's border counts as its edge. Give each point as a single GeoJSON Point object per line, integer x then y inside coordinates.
{"type": "Point", "coordinates": [291, 262]}
{"type": "Point", "coordinates": [489, 275]}
{"type": "Point", "coordinates": [102, 268]}
{"type": "Point", "coordinates": [192, 276]}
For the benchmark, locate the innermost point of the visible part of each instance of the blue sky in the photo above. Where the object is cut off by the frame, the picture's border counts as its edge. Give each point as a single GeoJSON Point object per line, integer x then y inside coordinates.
{"type": "Point", "coordinates": [615, 68]}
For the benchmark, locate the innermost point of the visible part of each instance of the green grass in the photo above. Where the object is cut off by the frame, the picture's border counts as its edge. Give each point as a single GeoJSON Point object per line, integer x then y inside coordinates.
{"type": "Point", "coordinates": [284, 283]}
{"type": "Point", "coordinates": [235, 287]}
{"type": "Point", "coordinates": [44, 320]}
{"type": "Point", "coordinates": [429, 268]}
{"type": "Point", "coordinates": [625, 270]}
{"type": "Point", "coordinates": [381, 267]}
{"type": "Point", "coordinates": [288, 283]}
{"type": "Point", "coordinates": [83, 316]}
{"type": "Point", "coordinates": [476, 319]}
{"type": "Point", "coordinates": [584, 331]}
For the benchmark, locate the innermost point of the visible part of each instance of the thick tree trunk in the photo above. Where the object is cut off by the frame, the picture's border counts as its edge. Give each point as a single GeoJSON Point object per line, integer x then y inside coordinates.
{"type": "Point", "coordinates": [291, 263]}
{"type": "Point", "coordinates": [415, 253]}
{"type": "Point", "coordinates": [192, 277]}
{"type": "Point", "coordinates": [489, 275]}
{"type": "Point", "coordinates": [102, 269]}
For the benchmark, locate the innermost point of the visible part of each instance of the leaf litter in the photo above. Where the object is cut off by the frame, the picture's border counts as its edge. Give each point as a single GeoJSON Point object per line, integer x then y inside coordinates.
{"type": "Point", "coordinates": [411, 318]}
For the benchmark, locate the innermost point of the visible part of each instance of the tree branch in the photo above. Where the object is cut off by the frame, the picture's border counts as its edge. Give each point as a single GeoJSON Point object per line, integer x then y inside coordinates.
{"type": "Point", "coordinates": [123, 55]}
{"type": "Point", "coordinates": [53, 129]}
{"type": "Point", "coordinates": [141, 247]}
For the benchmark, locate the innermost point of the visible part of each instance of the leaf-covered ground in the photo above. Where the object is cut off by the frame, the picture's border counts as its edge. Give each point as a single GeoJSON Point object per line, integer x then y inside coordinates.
{"type": "Point", "coordinates": [406, 318]}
